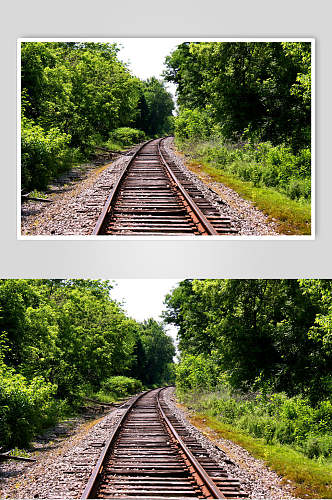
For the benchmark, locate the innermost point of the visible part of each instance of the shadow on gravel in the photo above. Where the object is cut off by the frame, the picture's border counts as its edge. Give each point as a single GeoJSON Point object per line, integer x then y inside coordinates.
{"type": "Point", "coordinates": [8, 473]}
{"type": "Point", "coordinates": [30, 211]}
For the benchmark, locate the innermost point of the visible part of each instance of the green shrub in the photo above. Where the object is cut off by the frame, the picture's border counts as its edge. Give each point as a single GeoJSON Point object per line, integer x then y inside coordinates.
{"type": "Point", "coordinates": [25, 407]}
{"type": "Point", "coordinates": [260, 163]}
{"type": "Point", "coordinates": [258, 426]}
{"type": "Point", "coordinates": [285, 432]}
{"type": "Point", "coordinates": [43, 155]}
{"type": "Point", "coordinates": [121, 386]}
{"type": "Point", "coordinates": [197, 372]}
{"type": "Point", "coordinates": [318, 446]}
{"type": "Point", "coordinates": [193, 124]}
{"type": "Point", "coordinates": [269, 176]}
{"type": "Point", "coordinates": [276, 418]}
{"type": "Point", "coordinates": [127, 136]}
{"type": "Point", "coordinates": [227, 408]}
{"type": "Point", "coordinates": [322, 417]}
{"type": "Point", "coordinates": [298, 188]}
{"type": "Point", "coordinates": [303, 160]}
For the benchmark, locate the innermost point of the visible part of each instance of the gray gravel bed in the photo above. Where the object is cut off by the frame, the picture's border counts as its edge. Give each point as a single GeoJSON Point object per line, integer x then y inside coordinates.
{"type": "Point", "coordinates": [76, 211]}
{"type": "Point", "coordinates": [64, 471]}
{"type": "Point", "coordinates": [247, 219]}
{"type": "Point", "coordinates": [255, 478]}
{"type": "Point", "coordinates": [60, 473]}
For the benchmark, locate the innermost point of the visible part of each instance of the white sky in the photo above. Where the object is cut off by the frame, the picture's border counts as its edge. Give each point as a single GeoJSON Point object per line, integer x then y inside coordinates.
{"type": "Point", "coordinates": [146, 56]}
{"type": "Point", "coordinates": [143, 298]}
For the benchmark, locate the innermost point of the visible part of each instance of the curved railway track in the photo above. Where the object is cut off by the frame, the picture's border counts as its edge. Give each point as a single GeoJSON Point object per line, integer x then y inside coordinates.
{"type": "Point", "coordinates": [150, 454]}
{"type": "Point", "coordinates": [153, 197]}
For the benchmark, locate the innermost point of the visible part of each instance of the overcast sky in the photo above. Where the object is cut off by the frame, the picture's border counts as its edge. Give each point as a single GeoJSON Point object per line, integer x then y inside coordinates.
{"type": "Point", "coordinates": [146, 56]}
{"type": "Point", "coordinates": [143, 299]}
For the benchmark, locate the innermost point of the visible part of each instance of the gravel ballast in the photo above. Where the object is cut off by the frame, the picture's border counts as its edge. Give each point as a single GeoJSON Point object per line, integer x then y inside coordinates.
{"type": "Point", "coordinates": [62, 471]}
{"type": "Point", "coordinates": [255, 478]}
{"type": "Point", "coordinates": [74, 211]}
{"type": "Point", "coordinates": [247, 219]}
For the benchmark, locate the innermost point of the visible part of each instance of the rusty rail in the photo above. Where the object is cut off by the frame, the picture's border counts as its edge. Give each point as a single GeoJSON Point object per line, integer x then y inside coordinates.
{"type": "Point", "coordinates": [193, 208]}
{"type": "Point", "coordinates": [91, 484]}
{"type": "Point", "coordinates": [146, 456]}
{"type": "Point", "coordinates": [152, 197]}
{"type": "Point", "coordinates": [206, 482]}
{"type": "Point", "coordinates": [107, 206]}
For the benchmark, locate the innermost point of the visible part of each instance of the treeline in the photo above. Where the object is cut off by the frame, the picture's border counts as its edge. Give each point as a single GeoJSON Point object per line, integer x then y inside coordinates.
{"type": "Point", "coordinates": [79, 95]}
{"type": "Point", "coordinates": [62, 340]}
{"type": "Point", "coordinates": [248, 104]}
{"type": "Point", "coordinates": [265, 347]}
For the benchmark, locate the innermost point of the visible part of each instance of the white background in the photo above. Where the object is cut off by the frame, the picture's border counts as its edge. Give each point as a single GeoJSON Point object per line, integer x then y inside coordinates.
{"type": "Point", "coordinates": [162, 258]}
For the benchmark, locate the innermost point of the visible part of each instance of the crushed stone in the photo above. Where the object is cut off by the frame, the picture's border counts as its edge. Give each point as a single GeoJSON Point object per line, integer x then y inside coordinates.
{"type": "Point", "coordinates": [255, 477]}
{"type": "Point", "coordinates": [246, 218]}
{"type": "Point", "coordinates": [75, 208]}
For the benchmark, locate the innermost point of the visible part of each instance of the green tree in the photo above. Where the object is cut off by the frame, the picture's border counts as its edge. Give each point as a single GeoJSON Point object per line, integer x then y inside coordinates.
{"type": "Point", "coordinates": [156, 106]}
{"type": "Point", "coordinates": [259, 331]}
{"type": "Point", "coordinates": [261, 89]}
{"type": "Point", "coordinates": [73, 96]}
{"type": "Point", "coordinates": [158, 352]}
{"type": "Point", "coordinates": [63, 339]}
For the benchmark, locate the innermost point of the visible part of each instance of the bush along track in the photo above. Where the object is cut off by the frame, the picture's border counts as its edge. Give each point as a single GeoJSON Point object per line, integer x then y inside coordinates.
{"type": "Point", "coordinates": [255, 358]}
{"type": "Point", "coordinates": [245, 115]}
{"type": "Point", "coordinates": [305, 462]}
{"type": "Point", "coordinates": [285, 202]}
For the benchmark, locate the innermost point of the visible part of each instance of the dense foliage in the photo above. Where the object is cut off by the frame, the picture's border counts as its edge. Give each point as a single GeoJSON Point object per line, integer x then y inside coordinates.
{"type": "Point", "coordinates": [262, 164]}
{"type": "Point", "coordinates": [261, 88]}
{"type": "Point", "coordinates": [246, 108]}
{"type": "Point", "coordinates": [265, 345]}
{"type": "Point", "coordinates": [62, 340]}
{"type": "Point", "coordinates": [74, 95]}
{"type": "Point", "coordinates": [258, 333]}
{"type": "Point", "coordinates": [26, 406]}
{"type": "Point", "coordinates": [275, 417]}
{"type": "Point", "coordinates": [154, 353]}
{"type": "Point", "coordinates": [119, 386]}
{"type": "Point", "coordinates": [155, 108]}
{"type": "Point", "coordinates": [125, 136]}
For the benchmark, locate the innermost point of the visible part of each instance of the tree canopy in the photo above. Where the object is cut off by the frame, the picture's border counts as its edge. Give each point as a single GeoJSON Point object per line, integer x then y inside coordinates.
{"type": "Point", "coordinates": [63, 339]}
{"type": "Point", "coordinates": [74, 96]}
{"type": "Point", "coordinates": [262, 89]}
{"type": "Point", "coordinates": [272, 332]}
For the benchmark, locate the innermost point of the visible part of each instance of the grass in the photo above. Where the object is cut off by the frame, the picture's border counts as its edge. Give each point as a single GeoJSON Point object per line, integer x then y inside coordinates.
{"type": "Point", "coordinates": [38, 194]}
{"type": "Point", "coordinates": [310, 478]}
{"type": "Point", "coordinates": [115, 146]}
{"type": "Point", "coordinates": [104, 397]}
{"type": "Point", "coordinates": [292, 217]}
{"type": "Point", "coordinates": [19, 452]}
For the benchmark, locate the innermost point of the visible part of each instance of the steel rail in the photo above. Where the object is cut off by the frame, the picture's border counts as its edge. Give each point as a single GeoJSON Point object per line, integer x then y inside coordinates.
{"type": "Point", "coordinates": [197, 211]}
{"type": "Point", "coordinates": [202, 479]}
{"type": "Point", "coordinates": [114, 190]}
{"type": "Point", "coordinates": [198, 218]}
{"type": "Point", "coordinates": [96, 471]}
{"type": "Point", "coordinates": [206, 479]}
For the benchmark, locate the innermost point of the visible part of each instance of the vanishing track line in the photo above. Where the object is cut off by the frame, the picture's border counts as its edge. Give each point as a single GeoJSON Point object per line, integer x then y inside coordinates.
{"type": "Point", "coordinates": [150, 454]}
{"type": "Point", "coordinates": [153, 197]}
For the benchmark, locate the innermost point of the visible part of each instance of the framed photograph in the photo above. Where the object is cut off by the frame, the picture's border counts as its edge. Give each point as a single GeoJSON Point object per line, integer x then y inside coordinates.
{"type": "Point", "coordinates": [154, 138]}
{"type": "Point", "coordinates": [165, 271]}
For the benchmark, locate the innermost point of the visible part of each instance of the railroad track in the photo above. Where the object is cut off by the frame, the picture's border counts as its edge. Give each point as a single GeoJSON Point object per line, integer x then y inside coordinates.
{"type": "Point", "coordinates": [150, 454]}
{"type": "Point", "coordinates": [153, 197]}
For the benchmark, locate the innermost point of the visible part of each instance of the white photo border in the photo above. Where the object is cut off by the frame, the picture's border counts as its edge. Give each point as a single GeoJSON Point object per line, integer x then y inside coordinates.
{"type": "Point", "coordinates": [281, 237]}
